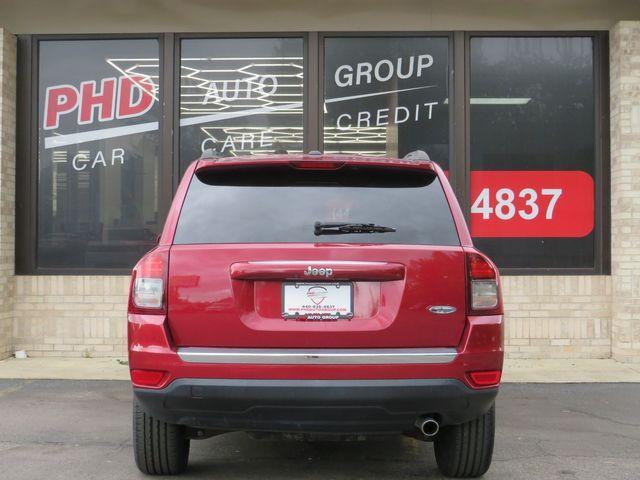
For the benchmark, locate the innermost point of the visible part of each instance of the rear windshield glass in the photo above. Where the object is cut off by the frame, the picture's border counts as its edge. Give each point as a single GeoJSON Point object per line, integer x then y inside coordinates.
{"type": "Point", "coordinates": [282, 204]}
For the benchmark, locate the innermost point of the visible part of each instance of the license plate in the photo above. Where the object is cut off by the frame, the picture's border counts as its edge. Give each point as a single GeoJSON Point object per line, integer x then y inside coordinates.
{"type": "Point", "coordinates": [317, 301]}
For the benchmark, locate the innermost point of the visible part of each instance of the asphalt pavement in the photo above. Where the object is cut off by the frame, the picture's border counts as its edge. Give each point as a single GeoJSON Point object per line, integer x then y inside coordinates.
{"type": "Point", "coordinates": [70, 429]}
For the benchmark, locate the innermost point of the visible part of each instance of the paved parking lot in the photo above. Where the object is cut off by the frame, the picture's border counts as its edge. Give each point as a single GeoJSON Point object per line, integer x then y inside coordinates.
{"type": "Point", "coordinates": [66, 429]}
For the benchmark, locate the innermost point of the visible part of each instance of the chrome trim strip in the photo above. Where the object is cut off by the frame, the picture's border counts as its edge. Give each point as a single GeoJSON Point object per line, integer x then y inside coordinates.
{"type": "Point", "coordinates": [289, 356]}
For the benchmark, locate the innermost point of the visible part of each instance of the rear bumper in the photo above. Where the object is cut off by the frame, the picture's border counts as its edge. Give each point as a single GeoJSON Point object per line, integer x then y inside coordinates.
{"type": "Point", "coordinates": [319, 406]}
{"type": "Point", "coordinates": [330, 391]}
{"type": "Point", "coordinates": [151, 348]}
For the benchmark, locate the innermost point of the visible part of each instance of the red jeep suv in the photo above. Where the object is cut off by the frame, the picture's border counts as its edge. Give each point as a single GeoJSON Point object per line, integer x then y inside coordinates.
{"type": "Point", "coordinates": [315, 295]}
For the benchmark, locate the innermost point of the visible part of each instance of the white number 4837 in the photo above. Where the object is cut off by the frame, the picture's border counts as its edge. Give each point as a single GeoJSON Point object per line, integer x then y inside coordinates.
{"type": "Point", "coordinates": [505, 209]}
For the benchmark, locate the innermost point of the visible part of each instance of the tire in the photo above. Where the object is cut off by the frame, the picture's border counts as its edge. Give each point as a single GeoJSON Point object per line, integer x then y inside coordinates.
{"type": "Point", "coordinates": [159, 448]}
{"type": "Point", "coordinates": [465, 451]}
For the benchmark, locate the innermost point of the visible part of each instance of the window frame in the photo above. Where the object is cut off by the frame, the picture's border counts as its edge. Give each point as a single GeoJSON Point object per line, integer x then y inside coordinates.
{"type": "Point", "coordinates": [27, 167]}
{"type": "Point", "coordinates": [453, 175]}
{"type": "Point", "coordinates": [175, 80]}
{"type": "Point", "coordinates": [602, 199]}
{"type": "Point", "coordinates": [169, 45]}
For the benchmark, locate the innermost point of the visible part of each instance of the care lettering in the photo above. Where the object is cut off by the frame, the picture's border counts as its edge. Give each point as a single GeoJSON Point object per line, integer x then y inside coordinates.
{"type": "Point", "coordinates": [123, 97]}
{"type": "Point", "coordinates": [244, 141]}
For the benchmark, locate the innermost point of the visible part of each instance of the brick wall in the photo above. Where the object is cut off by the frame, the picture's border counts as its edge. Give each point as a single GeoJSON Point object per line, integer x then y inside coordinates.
{"type": "Point", "coordinates": [59, 315]}
{"type": "Point", "coordinates": [7, 187]}
{"type": "Point", "coordinates": [625, 190]}
{"type": "Point", "coordinates": [557, 316]}
{"type": "Point", "coordinates": [547, 317]}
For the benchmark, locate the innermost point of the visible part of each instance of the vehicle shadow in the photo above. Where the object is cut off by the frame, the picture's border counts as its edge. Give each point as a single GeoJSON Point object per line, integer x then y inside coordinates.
{"type": "Point", "coordinates": [238, 456]}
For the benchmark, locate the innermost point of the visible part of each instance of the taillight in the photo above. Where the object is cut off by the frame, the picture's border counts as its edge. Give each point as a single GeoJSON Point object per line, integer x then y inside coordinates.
{"type": "Point", "coordinates": [483, 283]}
{"type": "Point", "coordinates": [149, 282]}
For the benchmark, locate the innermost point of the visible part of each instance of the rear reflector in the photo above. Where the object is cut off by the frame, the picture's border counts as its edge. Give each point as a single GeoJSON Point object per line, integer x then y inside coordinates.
{"type": "Point", "coordinates": [485, 378]}
{"type": "Point", "coordinates": [147, 378]}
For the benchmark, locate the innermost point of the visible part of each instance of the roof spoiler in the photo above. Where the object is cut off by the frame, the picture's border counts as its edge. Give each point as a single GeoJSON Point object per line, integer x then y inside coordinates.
{"type": "Point", "coordinates": [212, 159]}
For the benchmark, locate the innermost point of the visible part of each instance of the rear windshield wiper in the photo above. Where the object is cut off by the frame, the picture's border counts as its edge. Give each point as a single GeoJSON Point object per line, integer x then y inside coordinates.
{"type": "Point", "coordinates": [337, 228]}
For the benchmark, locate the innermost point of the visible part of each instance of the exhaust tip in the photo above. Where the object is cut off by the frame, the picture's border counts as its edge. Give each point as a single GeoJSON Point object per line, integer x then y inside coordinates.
{"type": "Point", "coordinates": [428, 426]}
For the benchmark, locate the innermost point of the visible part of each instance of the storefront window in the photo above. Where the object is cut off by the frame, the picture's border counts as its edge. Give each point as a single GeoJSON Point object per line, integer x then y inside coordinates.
{"type": "Point", "coordinates": [533, 150]}
{"type": "Point", "coordinates": [387, 96]}
{"type": "Point", "coordinates": [524, 119]}
{"type": "Point", "coordinates": [98, 152]}
{"type": "Point", "coordinates": [241, 96]}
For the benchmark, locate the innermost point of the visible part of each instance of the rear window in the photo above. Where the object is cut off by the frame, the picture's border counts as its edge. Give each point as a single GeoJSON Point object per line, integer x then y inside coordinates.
{"type": "Point", "coordinates": [281, 204]}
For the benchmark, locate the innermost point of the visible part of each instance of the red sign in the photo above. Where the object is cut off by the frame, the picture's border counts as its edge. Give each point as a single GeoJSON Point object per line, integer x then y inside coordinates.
{"type": "Point", "coordinates": [123, 97]}
{"type": "Point", "coordinates": [531, 204]}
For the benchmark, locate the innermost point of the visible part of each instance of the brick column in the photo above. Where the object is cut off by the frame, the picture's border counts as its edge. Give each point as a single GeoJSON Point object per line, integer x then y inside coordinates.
{"type": "Point", "coordinates": [7, 188]}
{"type": "Point", "coordinates": [625, 190]}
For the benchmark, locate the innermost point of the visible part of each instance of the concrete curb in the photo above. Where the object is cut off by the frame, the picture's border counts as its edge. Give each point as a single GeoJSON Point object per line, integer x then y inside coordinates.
{"type": "Point", "coordinates": [570, 371]}
{"type": "Point", "coordinates": [65, 368]}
